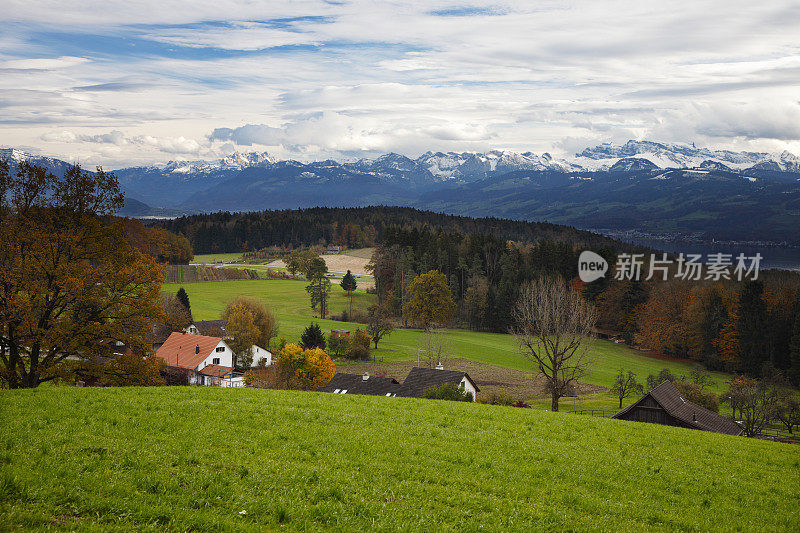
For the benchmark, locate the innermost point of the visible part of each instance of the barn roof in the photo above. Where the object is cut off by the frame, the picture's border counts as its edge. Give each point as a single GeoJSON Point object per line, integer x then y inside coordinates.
{"type": "Point", "coordinates": [186, 351]}
{"type": "Point", "coordinates": [205, 325]}
{"type": "Point", "coordinates": [357, 384]}
{"type": "Point", "coordinates": [421, 379]}
{"type": "Point", "coordinates": [693, 415]}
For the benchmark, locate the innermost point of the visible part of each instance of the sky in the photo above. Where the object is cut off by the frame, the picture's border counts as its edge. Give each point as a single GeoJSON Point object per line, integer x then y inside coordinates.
{"type": "Point", "coordinates": [124, 83]}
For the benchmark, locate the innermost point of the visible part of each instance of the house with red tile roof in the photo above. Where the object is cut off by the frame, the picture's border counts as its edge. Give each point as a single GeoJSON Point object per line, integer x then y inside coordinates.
{"type": "Point", "coordinates": [210, 359]}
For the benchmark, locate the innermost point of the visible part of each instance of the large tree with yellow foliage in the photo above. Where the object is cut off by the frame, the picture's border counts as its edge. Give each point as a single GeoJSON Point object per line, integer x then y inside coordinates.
{"type": "Point", "coordinates": [70, 282]}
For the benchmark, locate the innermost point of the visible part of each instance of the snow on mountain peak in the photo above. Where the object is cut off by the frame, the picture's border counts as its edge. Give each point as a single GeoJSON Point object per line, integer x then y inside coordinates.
{"type": "Point", "coordinates": [234, 161]}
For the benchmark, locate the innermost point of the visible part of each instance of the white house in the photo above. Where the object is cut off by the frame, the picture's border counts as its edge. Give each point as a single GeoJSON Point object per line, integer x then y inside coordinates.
{"type": "Point", "coordinates": [209, 358]}
{"type": "Point", "coordinates": [260, 353]}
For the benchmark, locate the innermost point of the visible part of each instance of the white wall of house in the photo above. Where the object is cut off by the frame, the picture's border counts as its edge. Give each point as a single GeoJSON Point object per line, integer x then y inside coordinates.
{"type": "Point", "coordinates": [220, 355]}
{"type": "Point", "coordinates": [191, 329]}
{"type": "Point", "coordinates": [468, 386]}
{"type": "Point", "coordinates": [260, 353]}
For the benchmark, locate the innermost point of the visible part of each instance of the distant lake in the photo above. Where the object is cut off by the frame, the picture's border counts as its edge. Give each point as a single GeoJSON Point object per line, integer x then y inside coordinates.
{"type": "Point", "coordinates": [784, 258]}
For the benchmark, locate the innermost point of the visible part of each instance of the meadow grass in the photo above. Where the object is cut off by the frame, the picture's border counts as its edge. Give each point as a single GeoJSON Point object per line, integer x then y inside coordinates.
{"type": "Point", "coordinates": [290, 302]}
{"type": "Point", "coordinates": [213, 459]}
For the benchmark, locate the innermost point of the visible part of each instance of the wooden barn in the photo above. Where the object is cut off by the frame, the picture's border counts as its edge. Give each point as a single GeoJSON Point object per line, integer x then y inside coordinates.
{"type": "Point", "coordinates": [665, 405]}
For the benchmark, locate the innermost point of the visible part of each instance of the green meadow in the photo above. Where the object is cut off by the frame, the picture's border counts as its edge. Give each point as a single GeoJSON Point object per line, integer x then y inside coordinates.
{"type": "Point", "coordinates": [290, 302]}
{"type": "Point", "coordinates": [212, 459]}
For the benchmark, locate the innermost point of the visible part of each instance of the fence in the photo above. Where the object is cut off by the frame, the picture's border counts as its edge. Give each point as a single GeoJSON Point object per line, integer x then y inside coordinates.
{"type": "Point", "coordinates": [593, 412]}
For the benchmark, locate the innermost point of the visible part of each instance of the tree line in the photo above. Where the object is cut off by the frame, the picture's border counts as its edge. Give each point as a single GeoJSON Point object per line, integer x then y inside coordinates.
{"type": "Point", "coordinates": [351, 227]}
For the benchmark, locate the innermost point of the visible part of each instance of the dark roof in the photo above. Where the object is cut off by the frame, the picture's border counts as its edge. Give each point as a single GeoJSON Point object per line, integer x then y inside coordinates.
{"type": "Point", "coordinates": [356, 384]}
{"type": "Point", "coordinates": [205, 325]}
{"type": "Point", "coordinates": [215, 370]}
{"type": "Point", "coordinates": [690, 414]}
{"type": "Point", "coordinates": [421, 379]}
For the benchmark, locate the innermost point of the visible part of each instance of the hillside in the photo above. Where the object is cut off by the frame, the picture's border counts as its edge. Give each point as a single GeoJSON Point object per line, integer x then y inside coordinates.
{"type": "Point", "coordinates": [214, 459]}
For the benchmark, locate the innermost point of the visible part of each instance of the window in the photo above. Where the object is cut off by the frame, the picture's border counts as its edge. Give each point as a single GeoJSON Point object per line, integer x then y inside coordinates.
{"type": "Point", "coordinates": [215, 361]}
{"type": "Point", "coordinates": [336, 391]}
{"type": "Point", "coordinates": [344, 391]}
{"type": "Point", "coordinates": [220, 348]}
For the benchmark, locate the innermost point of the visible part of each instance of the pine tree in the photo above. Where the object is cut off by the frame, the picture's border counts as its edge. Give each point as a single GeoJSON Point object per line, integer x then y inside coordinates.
{"type": "Point", "coordinates": [183, 298]}
{"type": "Point", "coordinates": [752, 327]}
{"type": "Point", "coordinates": [349, 285]}
{"type": "Point", "coordinates": [794, 346]}
{"type": "Point", "coordinates": [312, 337]}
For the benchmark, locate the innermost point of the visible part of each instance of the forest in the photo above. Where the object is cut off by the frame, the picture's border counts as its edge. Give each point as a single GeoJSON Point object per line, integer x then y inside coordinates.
{"type": "Point", "coordinates": [353, 227]}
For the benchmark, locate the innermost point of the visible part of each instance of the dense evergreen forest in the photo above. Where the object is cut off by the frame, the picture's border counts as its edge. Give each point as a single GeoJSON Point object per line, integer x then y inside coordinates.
{"type": "Point", "coordinates": [353, 227]}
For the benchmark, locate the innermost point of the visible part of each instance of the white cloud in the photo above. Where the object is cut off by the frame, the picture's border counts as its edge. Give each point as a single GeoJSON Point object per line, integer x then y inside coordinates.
{"type": "Point", "coordinates": [363, 77]}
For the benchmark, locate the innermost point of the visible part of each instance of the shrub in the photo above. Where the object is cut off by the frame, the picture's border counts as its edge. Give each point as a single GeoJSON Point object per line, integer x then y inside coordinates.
{"type": "Point", "coordinates": [304, 369]}
{"type": "Point", "coordinates": [358, 347]}
{"type": "Point", "coordinates": [337, 344]}
{"type": "Point", "coordinates": [496, 398]}
{"type": "Point", "coordinates": [448, 391]}
{"type": "Point", "coordinates": [522, 404]}
{"type": "Point", "coordinates": [696, 395]}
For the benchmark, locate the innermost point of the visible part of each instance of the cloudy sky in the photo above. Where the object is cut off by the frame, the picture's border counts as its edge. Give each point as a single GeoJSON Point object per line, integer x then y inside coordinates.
{"type": "Point", "coordinates": [118, 83]}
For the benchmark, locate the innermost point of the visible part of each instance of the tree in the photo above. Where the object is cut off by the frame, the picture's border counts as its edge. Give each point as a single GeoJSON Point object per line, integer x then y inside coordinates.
{"type": "Point", "coordinates": [701, 377]}
{"type": "Point", "coordinates": [358, 347]}
{"type": "Point", "coordinates": [183, 298]}
{"type": "Point", "coordinates": [320, 286]}
{"type": "Point", "coordinates": [304, 369]}
{"type": "Point", "coordinates": [312, 337]}
{"type": "Point", "coordinates": [448, 391]}
{"type": "Point", "coordinates": [654, 380]}
{"type": "Point", "coordinates": [337, 344]}
{"type": "Point", "coordinates": [695, 394]}
{"type": "Point", "coordinates": [263, 319]}
{"type": "Point", "coordinates": [626, 385]}
{"type": "Point", "coordinates": [176, 317]}
{"type": "Point", "coordinates": [788, 411]}
{"type": "Point", "coordinates": [379, 325]}
{"type": "Point", "coordinates": [430, 301]}
{"type": "Point", "coordinates": [751, 327]}
{"type": "Point", "coordinates": [300, 261]}
{"type": "Point", "coordinates": [553, 325]}
{"type": "Point", "coordinates": [794, 347]}
{"type": "Point", "coordinates": [436, 347]}
{"type": "Point", "coordinates": [349, 286]}
{"type": "Point", "coordinates": [70, 281]}
{"type": "Point", "coordinates": [757, 401]}
{"type": "Point", "coordinates": [242, 332]}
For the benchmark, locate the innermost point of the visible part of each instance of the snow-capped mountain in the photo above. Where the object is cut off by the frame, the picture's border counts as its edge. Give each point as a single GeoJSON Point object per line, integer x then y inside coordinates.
{"type": "Point", "coordinates": [234, 161]}
{"type": "Point", "coordinates": [665, 155]}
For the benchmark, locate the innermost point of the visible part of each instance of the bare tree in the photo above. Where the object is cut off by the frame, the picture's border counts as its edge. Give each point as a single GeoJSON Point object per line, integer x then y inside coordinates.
{"type": "Point", "coordinates": [626, 385]}
{"type": "Point", "coordinates": [553, 325]}
{"type": "Point", "coordinates": [757, 402]}
{"type": "Point", "coordinates": [435, 347]}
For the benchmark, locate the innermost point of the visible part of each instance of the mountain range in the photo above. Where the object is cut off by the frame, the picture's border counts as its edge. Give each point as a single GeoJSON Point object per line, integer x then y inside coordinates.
{"type": "Point", "coordinates": [639, 185]}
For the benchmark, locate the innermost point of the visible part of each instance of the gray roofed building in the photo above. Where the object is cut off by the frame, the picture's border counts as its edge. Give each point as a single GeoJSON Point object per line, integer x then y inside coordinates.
{"type": "Point", "coordinates": [421, 379]}
{"type": "Point", "coordinates": [665, 405]}
{"type": "Point", "coordinates": [362, 384]}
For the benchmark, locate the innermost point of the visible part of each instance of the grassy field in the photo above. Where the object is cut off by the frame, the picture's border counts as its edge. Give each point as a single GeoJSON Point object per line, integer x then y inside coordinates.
{"type": "Point", "coordinates": [211, 459]}
{"type": "Point", "coordinates": [290, 302]}
{"type": "Point", "coordinates": [207, 259]}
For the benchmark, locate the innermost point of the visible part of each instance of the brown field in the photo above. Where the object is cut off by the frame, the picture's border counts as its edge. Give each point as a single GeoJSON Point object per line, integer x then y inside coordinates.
{"type": "Point", "coordinates": [489, 378]}
{"type": "Point", "coordinates": [342, 262]}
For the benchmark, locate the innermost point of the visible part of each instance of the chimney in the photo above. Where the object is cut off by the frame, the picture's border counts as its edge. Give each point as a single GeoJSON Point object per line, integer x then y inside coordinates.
{"type": "Point", "coordinates": [439, 366]}
{"type": "Point", "coordinates": [197, 349]}
{"type": "Point", "coordinates": [365, 377]}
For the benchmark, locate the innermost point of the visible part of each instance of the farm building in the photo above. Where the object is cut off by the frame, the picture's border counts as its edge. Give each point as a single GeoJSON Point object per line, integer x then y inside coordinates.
{"type": "Point", "coordinates": [335, 333]}
{"type": "Point", "coordinates": [361, 384]}
{"type": "Point", "coordinates": [417, 382]}
{"type": "Point", "coordinates": [333, 250]}
{"type": "Point", "coordinates": [421, 379]}
{"type": "Point", "coordinates": [665, 405]}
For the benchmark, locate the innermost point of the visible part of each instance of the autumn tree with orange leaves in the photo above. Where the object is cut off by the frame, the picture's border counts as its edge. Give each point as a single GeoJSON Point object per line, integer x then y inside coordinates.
{"type": "Point", "coordinates": [70, 282]}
